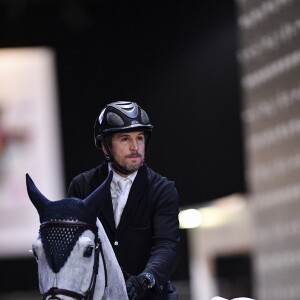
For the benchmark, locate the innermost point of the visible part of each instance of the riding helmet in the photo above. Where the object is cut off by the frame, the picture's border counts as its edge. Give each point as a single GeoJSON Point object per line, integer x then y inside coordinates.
{"type": "Point", "coordinates": [118, 117]}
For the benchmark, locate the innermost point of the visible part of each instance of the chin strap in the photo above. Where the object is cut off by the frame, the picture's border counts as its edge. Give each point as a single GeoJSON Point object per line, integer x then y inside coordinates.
{"type": "Point", "coordinates": [118, 168]}
{"type": "Point", "coordinates": [114, 164]}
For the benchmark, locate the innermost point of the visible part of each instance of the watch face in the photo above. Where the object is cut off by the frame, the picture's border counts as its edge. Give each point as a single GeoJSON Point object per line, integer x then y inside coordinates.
{"type": "Point", "coordinates": [151, 281]}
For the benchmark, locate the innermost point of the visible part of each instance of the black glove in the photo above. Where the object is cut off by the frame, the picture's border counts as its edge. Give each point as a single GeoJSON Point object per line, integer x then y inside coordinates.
{"type": "Point", "coordinates": [137, 286]}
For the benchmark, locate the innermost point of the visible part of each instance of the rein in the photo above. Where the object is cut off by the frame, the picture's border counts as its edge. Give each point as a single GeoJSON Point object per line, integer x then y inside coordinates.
{"type": "Point", "coordinates": [88, 295]}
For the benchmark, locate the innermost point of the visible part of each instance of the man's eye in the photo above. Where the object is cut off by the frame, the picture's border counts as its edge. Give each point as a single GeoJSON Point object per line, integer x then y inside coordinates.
{"type": "Point", "coordinates": [88, 251]}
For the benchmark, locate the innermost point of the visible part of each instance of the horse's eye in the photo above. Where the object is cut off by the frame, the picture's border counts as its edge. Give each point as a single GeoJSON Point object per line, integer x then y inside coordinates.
{"type": "Point", "coordinates": [88, 251]}
{"type": "Point", "coordinates": [34, 254]}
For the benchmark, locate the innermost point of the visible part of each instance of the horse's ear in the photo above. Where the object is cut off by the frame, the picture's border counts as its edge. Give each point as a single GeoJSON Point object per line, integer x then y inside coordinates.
{"type": "Point", "coordinates": [36, 197]}
{"type": "Point", "coordinates": [94, 201]}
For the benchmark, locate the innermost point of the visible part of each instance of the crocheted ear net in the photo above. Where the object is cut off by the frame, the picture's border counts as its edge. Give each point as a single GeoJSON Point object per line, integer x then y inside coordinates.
{"type": "Point", "coordinates": [59, 241]}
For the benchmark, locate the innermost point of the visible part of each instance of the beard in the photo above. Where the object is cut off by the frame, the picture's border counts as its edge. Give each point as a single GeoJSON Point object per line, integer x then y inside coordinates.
{"type": "Point", "coordinates": [132, 167]}
{"type": "Point", "coordinates": [129, 166]}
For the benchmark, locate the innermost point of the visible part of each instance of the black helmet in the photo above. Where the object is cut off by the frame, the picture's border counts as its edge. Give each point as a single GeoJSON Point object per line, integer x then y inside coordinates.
{"type": "Point", "coordinates": [118, 117]}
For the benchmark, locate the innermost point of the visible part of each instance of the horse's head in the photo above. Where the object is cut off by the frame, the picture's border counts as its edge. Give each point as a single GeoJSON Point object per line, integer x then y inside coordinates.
{"type": "Point", "coordinates": [67, 250]}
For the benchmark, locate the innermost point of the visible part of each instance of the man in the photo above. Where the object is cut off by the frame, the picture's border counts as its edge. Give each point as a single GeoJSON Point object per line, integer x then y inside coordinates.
{"type": "Point", "coordinates": [141, 216]}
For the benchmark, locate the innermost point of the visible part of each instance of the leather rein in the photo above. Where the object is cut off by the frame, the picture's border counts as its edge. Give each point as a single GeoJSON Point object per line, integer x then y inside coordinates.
{"type": "Point", "coordinates": [88, 295]}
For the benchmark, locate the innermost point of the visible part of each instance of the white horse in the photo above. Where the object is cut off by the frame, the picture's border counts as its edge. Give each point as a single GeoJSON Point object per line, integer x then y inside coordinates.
{"type": "Point", "coordinates": [74, 256]}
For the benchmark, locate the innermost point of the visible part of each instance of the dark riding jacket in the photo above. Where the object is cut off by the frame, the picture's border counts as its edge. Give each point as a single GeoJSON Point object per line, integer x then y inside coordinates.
{"type": "Point", "coordinates": [147, 237]}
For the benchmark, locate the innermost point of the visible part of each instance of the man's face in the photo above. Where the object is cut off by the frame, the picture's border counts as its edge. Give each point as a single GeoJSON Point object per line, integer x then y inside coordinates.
{"type": "Point", "coordinates": [128, 149]}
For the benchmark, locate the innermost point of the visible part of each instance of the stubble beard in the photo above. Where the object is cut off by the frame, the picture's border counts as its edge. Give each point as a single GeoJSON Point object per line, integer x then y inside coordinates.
{"type": "Point", "coordinates": [131, 167]}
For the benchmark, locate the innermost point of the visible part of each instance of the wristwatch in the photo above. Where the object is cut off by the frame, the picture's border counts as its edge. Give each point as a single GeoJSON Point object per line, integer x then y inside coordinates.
{"type": "Point", "coordinates": [149, 281]}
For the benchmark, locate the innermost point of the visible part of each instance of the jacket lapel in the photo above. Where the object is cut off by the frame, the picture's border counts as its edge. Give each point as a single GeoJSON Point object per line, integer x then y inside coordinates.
{"type": "Point", "coordinates": [106, 214]}
{"type": "Point", "coordinates": [136, 193]}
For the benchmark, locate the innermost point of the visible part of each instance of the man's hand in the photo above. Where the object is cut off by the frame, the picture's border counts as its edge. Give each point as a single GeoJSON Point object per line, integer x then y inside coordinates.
{"type": "Point", "coordinates": [137, 286]}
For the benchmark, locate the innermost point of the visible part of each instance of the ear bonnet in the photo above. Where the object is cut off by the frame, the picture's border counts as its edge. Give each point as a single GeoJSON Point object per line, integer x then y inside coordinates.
{"type": "Point", "coordinates": [58, 241]}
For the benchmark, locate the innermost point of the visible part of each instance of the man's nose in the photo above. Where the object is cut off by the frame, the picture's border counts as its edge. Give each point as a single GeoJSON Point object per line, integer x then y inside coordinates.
{"type": "Point", "coordinates": [134, 145]}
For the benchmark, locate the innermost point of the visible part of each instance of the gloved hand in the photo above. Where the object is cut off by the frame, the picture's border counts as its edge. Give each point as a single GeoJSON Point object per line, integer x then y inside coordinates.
{"type": "Point", "coordinates": [136, 286]}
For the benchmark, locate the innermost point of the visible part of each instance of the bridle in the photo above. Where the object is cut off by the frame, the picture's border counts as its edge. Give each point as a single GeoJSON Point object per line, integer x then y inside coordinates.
{"type": "Point", "coordinates": [88, 295]}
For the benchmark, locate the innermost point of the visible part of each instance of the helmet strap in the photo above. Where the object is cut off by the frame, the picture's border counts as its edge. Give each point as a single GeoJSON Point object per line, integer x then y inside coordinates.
{"type": "Point", "coordinates": [110, 159]}
{"type": "Point", "coordinates": [118, 168]}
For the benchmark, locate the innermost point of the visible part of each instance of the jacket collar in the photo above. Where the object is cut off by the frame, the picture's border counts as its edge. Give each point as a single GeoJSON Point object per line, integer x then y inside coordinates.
{"type": "Point", "coordinates": [136, 193]}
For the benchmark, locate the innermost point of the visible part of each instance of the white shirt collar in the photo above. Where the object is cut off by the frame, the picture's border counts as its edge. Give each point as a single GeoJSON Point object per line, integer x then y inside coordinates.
{"type": "Point", "coordinates": [117, 177]}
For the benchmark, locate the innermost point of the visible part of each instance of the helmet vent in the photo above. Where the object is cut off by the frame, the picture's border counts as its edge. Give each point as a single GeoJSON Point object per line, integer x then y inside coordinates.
{"type": "Point", "coordinates": [114, 119]}
{"type": "Point", "coordinates": [129, 109]}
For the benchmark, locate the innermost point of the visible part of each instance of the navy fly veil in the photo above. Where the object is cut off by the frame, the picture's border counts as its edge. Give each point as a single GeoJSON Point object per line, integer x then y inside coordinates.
{"type": "Point", "coordinates": [58, 241]}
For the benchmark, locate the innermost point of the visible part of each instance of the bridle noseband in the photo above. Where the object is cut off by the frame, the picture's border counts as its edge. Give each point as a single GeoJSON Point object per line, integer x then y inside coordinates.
{"type": "Point", "coordinates": [88, 295]}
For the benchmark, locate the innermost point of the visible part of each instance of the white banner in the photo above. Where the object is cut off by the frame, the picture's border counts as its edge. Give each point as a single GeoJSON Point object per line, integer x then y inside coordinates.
{"type": "Point", "coordinates": [29, 143]}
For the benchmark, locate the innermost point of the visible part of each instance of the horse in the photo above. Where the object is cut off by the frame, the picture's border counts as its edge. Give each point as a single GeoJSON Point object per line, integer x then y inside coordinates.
{"type": "Point", "coordinates": [74, 256]}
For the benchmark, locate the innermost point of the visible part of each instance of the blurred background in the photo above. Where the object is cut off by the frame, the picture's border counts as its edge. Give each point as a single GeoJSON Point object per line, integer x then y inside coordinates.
{"type": "Point", "coordinates": [220, 82]}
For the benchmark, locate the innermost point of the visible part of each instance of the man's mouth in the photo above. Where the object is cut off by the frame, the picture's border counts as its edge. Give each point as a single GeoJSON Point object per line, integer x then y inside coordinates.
{"type": "Point", "coordinates": [134, 155]}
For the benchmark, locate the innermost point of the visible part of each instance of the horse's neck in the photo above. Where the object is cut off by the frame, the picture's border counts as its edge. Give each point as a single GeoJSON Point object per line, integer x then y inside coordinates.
{"type": "Point", "coordinates": [116, 288]}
